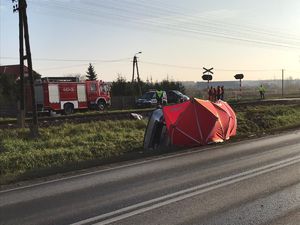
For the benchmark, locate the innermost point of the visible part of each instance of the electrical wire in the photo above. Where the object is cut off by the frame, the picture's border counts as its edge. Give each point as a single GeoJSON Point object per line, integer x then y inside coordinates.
{"type": "Point", "coordinates": [200, 68]}
{"type": "Point", "coordinates": [110, 15]}
{"type": "Point", "coordinates": [150, 63]}
{"type": "Point", "coordinates": [74, 60]}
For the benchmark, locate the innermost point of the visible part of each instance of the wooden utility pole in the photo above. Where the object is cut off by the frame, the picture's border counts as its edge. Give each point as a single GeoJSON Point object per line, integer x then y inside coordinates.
{"type": "Point", "coordinates": [21, 118]}
{"type": "Point", "coordinates": [282, 82]}
{"type": "Point", "coordinates": [138, 78]}
{"type": "Point", "coordinates": [133, 68]}
{"type": "Point", "coordinates": [135, 65]}
{"type": "Point", "coordinates": [23, 29]}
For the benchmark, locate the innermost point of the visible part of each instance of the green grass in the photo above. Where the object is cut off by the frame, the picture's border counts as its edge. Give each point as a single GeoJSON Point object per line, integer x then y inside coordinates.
{"type": "Point", "coordinates": [6, 118]}
{"type": "Point", "coordinates": [261, 119]}
{"type": "Point", "coordinates": [68, 143]}
{"type": "Point", "coordinates": [74, 144]}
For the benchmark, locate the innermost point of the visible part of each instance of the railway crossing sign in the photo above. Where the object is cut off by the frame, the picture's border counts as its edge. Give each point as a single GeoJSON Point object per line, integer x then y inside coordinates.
{"type": "Point", "coordinates": [239, 76]}
{"type": "Point", "coordinates": [208, 71]}
{"type": "Point", "coordinates": [207, 75]}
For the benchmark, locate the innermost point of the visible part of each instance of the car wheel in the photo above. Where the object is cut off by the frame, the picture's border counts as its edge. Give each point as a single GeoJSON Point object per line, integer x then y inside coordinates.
{"type": "Point", "coordinates": [68, 109]}
{"type": "Point", "coordinates": [101, 105]}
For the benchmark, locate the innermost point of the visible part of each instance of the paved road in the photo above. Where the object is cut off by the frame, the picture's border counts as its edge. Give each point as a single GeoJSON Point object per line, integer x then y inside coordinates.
{"type": "Point", "coordinates": [251, 182]}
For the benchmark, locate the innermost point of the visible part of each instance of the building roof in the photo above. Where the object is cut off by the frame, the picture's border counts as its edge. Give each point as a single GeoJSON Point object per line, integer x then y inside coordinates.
{"type": "Point", "coordinates": [14, 70]}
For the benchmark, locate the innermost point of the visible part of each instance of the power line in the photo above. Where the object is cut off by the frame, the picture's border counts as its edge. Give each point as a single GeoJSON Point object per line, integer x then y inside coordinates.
{"type": "Point", "coordinates": [179, 10]}
{"type": "Point", "coordinates": [142, 62]}
{"type": "Point", "coordinates": [75, 60]}
{"type": "Point", "coordinates": [61, 67]}
{"type": "Point", "coordinates": [181, 28]}
{"type": "Point", "coordinates": [122, 9]}
{"type": "Point", "coordinates": [195, 19]}
{"type": "Point", "coordinates": [200, 68]}
{"type": "Point", "coordinates": [293, 71]}
{"type": "Point", "coordinates": [171, 65]}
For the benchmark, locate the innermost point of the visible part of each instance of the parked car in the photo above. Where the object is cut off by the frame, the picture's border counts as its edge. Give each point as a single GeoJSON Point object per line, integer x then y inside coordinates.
{"type": "Point", "coordinates": [149, 99]}
{"type": "Point", "coordinates": [175, 96]}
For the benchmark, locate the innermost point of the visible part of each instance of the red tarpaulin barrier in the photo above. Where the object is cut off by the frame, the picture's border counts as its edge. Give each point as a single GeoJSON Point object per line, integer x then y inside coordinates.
{"type": "Point", "coordinates": [199, 122]}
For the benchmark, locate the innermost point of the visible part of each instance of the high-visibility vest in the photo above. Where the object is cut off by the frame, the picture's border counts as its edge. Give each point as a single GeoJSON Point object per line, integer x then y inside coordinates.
{"type": "Point", "coordinates": [159, 94]}
{"type": "Point", "coordinates": [261, 89]}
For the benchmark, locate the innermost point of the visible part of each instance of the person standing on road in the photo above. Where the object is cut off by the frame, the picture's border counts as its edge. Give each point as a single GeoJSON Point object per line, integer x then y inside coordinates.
{"type": "Point", "coordinates": [159, 96]}
{"type": "Point", "coordinates": [210, 93]}
{"type": "Point", "coordinates": [222, 93]}
{"type": "Point", "coordinates": [262, 91]}
{"type": "Point", "coordinates": [218, 93]}
{"type": "Point", "coordinates": [214, 95]}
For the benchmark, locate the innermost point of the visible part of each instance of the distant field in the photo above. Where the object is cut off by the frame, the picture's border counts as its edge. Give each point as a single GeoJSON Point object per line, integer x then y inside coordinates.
{"type": "Point", "coordinates": [73, 144]}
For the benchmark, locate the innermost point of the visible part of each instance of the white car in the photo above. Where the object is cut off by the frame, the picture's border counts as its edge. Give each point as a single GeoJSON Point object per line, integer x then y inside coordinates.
{"type": "Point", "coordinates": [149, 99]}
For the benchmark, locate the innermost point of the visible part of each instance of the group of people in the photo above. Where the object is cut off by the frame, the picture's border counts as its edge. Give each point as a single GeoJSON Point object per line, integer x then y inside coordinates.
{"type": "Point", "coordinates": [216, 93]}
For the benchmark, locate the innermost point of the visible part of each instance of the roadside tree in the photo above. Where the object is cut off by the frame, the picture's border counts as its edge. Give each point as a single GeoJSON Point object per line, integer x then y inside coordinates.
{"type": "Point", "coordinates": [91, 74]}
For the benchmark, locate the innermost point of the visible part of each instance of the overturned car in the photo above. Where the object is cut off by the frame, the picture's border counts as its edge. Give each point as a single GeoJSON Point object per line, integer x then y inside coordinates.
{"type": "Point", "coordinates": [189, 124]}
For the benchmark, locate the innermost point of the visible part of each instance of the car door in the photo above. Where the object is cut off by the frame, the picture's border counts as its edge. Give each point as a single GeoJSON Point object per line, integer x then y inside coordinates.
{"type": "Point", "coordinates": [154, 99]}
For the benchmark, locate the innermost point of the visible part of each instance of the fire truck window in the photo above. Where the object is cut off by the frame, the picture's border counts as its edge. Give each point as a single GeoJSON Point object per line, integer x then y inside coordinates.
{"type": "Point", "coordinates": [105, 88]}
{"type": "Point", "coordinates": [93, 87]}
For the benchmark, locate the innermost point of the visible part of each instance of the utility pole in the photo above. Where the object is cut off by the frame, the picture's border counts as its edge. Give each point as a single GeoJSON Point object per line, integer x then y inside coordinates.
{"type": "Point", "coordinates": [21, 7]}
{"type": "Point", "coordinates": [135, 65]}
{"type": "Point", "coordinates": [138, 78]}
{"type": "Point", "coordinates": [282, 82]}
{"type": "Point", "coordinates": [21, 118]}
{"type": "Point", "coordinates": [133, 68]}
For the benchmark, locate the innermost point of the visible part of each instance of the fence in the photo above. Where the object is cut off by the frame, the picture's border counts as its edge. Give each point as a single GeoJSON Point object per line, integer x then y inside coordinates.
{"type": "Point", "coordinates": [123, 102]}
{"type": "Point", "coordinates": [233, 94]}
{"type": "Point", "coordinates": [8, 110]}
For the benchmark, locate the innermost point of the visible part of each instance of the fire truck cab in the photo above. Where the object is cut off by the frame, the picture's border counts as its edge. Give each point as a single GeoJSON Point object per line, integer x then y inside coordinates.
{"type": "Point", "coordinates": [68, 94]}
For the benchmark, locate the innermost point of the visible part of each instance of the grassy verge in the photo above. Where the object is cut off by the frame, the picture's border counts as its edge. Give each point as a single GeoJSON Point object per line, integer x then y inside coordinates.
{"type": "Point", "coordinates": [66, 144]}
{"type": "Point", "coordinates": [76, 144]}
{"type": "Point", "coordinates": [257, 120]}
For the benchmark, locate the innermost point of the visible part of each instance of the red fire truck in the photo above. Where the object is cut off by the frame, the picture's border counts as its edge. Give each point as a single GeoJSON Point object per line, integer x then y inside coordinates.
{"type": "Point", "coordinates": [68, 94]}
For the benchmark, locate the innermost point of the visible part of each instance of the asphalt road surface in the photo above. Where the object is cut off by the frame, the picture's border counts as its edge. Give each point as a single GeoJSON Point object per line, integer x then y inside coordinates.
{"type": "Point", "coordinates": [250, 182]}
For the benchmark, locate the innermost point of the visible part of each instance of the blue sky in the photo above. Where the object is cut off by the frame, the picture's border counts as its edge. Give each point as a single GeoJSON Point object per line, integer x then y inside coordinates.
{"type": "Point", "coordinates": [177, 38]}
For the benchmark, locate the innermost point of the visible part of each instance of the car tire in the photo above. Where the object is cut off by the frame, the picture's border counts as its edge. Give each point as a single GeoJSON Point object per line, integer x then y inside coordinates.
{"type": "Point", "coordinates": [101, 105]}
{"type": "Point", "coordinates": [68, 109]}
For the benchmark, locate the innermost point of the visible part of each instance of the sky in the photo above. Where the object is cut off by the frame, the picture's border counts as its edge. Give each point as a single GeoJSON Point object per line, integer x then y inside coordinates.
{"type": "Point", "coordinates": [177, 38]}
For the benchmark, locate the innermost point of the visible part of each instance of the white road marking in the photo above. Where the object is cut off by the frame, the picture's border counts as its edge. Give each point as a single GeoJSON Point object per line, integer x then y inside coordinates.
{"type": "Point", "coordinates": [186, 193]}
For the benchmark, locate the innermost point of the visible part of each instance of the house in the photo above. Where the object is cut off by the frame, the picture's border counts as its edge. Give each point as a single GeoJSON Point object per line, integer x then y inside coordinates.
{"type": "Point", "coordinates": [15, 70]}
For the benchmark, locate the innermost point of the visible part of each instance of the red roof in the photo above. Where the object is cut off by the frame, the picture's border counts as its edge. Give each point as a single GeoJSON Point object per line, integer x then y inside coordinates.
{"type": "Point", "coordinates": [13, 70]}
